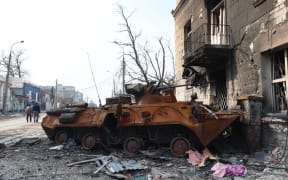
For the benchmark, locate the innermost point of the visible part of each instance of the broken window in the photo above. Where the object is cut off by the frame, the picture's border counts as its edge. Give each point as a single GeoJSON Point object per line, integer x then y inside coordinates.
{"type": "Point", "coordinates": [280, 80]}
{"type": "Point", "coordinates": [188, 38]}
{"type": "Point", "coordinates": [187, 28]}
{"type": "Point", "coordinates": [218, 24]}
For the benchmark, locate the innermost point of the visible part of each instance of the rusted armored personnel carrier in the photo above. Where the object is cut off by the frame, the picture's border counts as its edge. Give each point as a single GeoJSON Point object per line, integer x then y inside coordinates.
{"type": "Point", "coordinates": [154, 118]}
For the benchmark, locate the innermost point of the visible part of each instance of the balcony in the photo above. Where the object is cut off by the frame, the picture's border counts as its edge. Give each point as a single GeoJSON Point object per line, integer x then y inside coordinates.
{"type": "Point", "coordinates": [209, 45]}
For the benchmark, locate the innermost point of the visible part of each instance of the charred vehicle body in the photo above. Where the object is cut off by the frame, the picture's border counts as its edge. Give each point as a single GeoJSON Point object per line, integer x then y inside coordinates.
{"type": "Point", "coordinates": [154, 118]}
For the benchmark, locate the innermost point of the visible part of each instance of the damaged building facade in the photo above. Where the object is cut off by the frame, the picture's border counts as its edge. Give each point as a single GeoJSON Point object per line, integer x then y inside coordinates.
{"type": "Point", "coordinates": [234, 52]}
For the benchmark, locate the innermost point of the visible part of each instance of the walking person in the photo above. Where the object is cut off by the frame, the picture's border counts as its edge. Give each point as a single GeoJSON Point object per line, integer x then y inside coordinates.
{"type": "Point", "coordinates": [28, 113]}
{"type": "Point", "coordinates": [36, 111]}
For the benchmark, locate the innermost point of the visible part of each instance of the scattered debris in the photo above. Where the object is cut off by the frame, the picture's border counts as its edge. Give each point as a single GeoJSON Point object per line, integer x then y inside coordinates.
{"type": "Point", "coordinates": [2, 146]}
{"type": "Point", "coordinates": [169, 165]}
{"type": "Point", "coordinates": [275, 151]}
{"type": "Point", "coordinates": [165, 175]}
{"type": "Point", "coordinates": [58, 147]}
{"type": "Point", "coordinates": [141, 176]}
{"type": "Point", "coordinates": [267, 170]}
{"type": "Point", "coordinates": [70, 143]}
{"type": "Point", "coordinates": [117, 175]}
{"type": "Point", "coordinates": [103, 165]}
{"type": "Point", "coordinates": [92, 155]}
{"type": "Point", "coordinates": [115, 167]}
{"type": "Point", "coordinates": [82, 162]}
{"type": "Point", "coordinates": [28, 141]}
{"type": "Point", "coordinates": [157, 154]}
{"type": "Point", "coordinates": [131, 165]}
{"type": "Point", "coordinates": [147, 165]}
{"type": "Point", "coordinates": [260, 156]}
{"type": "Point", "coordinates": [126, 165]}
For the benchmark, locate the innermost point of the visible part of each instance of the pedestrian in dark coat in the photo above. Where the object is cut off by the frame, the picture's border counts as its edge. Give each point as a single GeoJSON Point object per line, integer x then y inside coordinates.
{"type": "Point", "coordinates": [36, 111]}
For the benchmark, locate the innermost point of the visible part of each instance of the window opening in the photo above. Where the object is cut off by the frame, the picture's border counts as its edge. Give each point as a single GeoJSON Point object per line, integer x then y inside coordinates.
{"type": "Point", "coordinates": [218, 24]}
{"type": "Point", "coordinates": [188, 37]}
{"type": "Point", "coordinates": [280, 80]}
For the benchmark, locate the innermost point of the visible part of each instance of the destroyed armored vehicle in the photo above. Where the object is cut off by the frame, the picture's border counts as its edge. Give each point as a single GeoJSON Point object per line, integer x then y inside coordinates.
{"type": "Point", "coordinates": [154, 118]}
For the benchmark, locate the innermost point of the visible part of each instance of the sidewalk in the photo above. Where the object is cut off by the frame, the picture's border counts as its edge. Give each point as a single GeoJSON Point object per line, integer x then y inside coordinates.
{"type": "Point", "coordinates": [18, 114]}
{"type": "Point", "coordinates": [11, 115]}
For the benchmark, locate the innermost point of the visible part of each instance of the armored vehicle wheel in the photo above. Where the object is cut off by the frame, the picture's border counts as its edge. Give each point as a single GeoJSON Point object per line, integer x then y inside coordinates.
{"type": "Point", "coordinates": [61, 136]}
{"type": "Point", "coordinates": [179, 146]}
{"type": "Point", "coordinates": [132, 145]}
{"type": "Point", "coordinates": [89, 141]}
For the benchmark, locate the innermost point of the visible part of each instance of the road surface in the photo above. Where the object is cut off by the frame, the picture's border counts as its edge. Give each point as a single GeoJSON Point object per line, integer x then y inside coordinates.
{"type": "Point", "coordinates": [15, 128]}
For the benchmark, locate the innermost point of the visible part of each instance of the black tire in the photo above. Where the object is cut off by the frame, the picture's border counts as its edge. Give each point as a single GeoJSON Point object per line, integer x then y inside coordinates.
{"type": "Point", "coordinates": [132, 145]}
{"type": "Point", "coordinates": [61, 136]}
{"type": "Point", "coordinates": [89, 141]}
{"type": "Point", "coordinates": [179, 146]}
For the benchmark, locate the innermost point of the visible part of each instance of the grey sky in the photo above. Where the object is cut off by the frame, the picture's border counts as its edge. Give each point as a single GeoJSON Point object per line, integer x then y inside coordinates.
{"type": "Point", "coordinates": [58, 34]}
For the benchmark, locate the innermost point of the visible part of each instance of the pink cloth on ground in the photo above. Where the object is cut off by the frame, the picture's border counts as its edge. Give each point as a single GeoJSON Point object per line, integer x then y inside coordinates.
{"type": "Point", "coordinates": [196, 158]}
{"type": "Point", "coordinates": [222, 170]}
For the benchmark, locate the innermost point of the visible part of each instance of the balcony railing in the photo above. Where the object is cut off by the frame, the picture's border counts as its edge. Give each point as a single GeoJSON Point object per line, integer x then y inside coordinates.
{"type": "Point", "coordinates": [217, 35]}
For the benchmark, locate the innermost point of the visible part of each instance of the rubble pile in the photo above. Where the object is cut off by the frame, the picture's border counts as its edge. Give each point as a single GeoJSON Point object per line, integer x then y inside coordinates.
{"type": "Point", "coordinates": [36, 158]}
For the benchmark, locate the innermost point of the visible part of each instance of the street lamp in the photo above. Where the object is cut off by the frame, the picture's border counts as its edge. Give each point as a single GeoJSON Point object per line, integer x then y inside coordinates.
{"type": "Point", "coordinates": [7, 78]}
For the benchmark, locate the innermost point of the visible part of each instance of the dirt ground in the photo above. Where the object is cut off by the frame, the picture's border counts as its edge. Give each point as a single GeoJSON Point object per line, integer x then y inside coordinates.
{"type": "Point", "coordinates": [29, 157]}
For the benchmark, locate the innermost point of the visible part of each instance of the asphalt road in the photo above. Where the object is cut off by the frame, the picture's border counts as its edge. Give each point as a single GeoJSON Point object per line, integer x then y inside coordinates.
{"type": "Point", "coordinates": [15, 128]}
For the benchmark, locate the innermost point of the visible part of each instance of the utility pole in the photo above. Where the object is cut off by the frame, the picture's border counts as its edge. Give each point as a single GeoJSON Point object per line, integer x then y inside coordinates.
{"type": "Point", "coordinates": [114, 87]}
{"type": "Point", "coordinates": [4, 108]}
{"type": "Point", "coordinates": [56, 97]}
{"type": "Point", "coordinates": [123, 74]}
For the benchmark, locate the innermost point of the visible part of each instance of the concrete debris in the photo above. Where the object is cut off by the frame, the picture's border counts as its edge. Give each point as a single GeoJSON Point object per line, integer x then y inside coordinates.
{"type": "Point", "coordinates": [70, 143]}
{"type": "Point", "coordinates": [58, 147]}
{"type": "Point", "coordinates": [117, 175]}
{"type": "Point", "coordinates": [28, 141]}
{"type": "Point", "coordinates": [169, 165]}
{"type": "Point", "coordinates": [165, 175]}
{"type": "Point", "coordinates": [267, 170]}
{"type": "Point", "coordinates": [274, 151]}
{"type": "Point", "coordinates": [157, 154]}
{"type": "Point", "coordinates": [260, 156]}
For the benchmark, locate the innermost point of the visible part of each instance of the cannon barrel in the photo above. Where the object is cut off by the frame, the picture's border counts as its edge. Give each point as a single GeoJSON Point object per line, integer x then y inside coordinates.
{"type": "Point", "coordinates": [173, 86]}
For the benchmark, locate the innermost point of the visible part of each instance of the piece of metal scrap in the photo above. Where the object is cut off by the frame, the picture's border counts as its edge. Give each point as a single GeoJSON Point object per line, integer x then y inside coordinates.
{"type": "Point", "coordinates": [126, 165]}
{"type": "Point", "coordinates": [103, 165]}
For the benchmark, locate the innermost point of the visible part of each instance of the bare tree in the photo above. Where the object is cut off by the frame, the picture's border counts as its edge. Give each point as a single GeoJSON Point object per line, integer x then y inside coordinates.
{"type": "Point", "coordinates": [150, 65]}
{"type": "Point", "coordinates": [16, 70]}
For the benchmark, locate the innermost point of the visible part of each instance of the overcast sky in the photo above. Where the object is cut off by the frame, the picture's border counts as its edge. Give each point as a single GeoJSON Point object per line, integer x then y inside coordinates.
{"type": "Point", "coordinates": [58, 34]}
